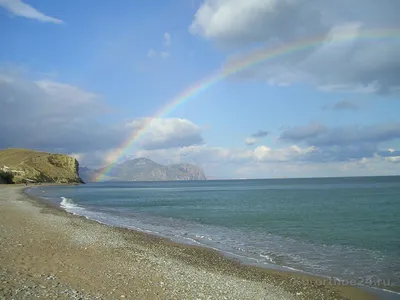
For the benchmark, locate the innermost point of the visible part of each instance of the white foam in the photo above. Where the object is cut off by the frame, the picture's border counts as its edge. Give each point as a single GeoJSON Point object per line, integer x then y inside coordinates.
{"type": "Point", "coordinates": [68, 204]}
{"type": "Point", "coordinates": [203, 237]}
{"type": "Point", "coordinates": [269, 258]}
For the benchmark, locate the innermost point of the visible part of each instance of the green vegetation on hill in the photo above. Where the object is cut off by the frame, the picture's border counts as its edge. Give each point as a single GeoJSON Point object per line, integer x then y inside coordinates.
{"type": "Point", "coordinates": [41, 167]}
{"type": "Point", "coordinates": [6, 177]}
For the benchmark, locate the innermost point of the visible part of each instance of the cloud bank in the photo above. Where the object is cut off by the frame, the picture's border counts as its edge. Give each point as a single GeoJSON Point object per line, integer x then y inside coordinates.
{"type": "Point", "coordinates": [342, 105]}
{"type": "Point", "coordinates": [54, 116]}
{"type": "Point", "coordinates": [253, 139]}
{"type": "Point", "coordinates": [59, 117]}
{"type": "Point", "coordinates": [165, 133]}
{"type": "Point", "coordinates": [357, 64]}
{"type": "Point", "coordinates": [345, 143]}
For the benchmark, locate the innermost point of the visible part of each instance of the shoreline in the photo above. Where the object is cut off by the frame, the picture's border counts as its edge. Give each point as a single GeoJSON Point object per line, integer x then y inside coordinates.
{"type": "Point", "coordinates": [197, 263]}
{"type": "Point", "coordinates": [385, 290]}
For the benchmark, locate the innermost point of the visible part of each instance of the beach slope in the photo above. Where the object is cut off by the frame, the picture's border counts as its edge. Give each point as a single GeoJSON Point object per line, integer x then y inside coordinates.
{"type": "Point", "coordinates": [48, 253]}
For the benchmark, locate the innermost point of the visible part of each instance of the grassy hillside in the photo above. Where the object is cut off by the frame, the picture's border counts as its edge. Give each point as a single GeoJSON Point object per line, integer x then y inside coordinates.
{"type": "Point", "coordinates": [39, 166]}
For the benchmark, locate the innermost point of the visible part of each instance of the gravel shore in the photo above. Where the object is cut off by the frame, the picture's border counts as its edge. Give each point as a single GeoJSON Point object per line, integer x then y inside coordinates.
{"type": "Point", "coordinates": [46, 253]}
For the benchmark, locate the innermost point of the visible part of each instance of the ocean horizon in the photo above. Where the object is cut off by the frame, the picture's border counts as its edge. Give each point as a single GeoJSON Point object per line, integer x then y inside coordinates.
{"type": "Point", "coordinates": [342, 228]}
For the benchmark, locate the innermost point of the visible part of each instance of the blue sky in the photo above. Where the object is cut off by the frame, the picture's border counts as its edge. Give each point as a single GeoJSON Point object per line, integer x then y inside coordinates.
{"type": "Point", "coordinates": [80, 78]}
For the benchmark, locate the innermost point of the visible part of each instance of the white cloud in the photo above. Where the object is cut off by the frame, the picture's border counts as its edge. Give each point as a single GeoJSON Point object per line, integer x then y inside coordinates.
{"type": "Point", "coordinates": [70, 94]}
{"type": "Point", "coordinates": [358, 59]}
{"type": "Point", "coordinates": [153, 54]}
{"type": "Point", "coordinates": [167, 39]}
{"type": "Point", "coordinates": [266, 154]}
{"type": "Point", "coordinates": [161, 53]}
{"type": "Point", "coordinates": [376, 166]}
{"type": "Point", "coordinates": [372, 87]}
{"type": "Point", "coordinates": [250, 141]}
{"type": "Point", "coordinates": [253, 139]}
{"type": "Point", "coordinates": [164, 133]}
{"type": "Point", "coordinates": [394, 159]}
{"type": "Point", "coordinates": [21, 9]}
{"type": "Point", "coordinates": [236, 22]}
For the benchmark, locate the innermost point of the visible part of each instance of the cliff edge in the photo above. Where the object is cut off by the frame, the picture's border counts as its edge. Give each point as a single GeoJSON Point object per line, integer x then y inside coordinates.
{"type": "Point", "coordinates": [43, 167]}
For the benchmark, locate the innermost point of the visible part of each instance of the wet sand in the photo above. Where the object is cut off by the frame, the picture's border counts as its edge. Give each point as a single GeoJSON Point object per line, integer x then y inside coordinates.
{"type": "Point", "coordinates": [48, 253]}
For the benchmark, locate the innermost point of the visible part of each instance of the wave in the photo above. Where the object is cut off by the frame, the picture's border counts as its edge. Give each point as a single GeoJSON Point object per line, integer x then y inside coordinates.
{"type": "Point", "coordinates": [248, 251]}
{"type": "Point", "coordinates": [68, 204]}
{"type": "Point", "coordinates": [268, 257]}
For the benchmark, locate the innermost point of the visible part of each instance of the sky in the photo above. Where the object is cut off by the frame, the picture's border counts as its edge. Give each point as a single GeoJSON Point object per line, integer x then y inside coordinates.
{"type": "Point", "coordinates": [83, 77]}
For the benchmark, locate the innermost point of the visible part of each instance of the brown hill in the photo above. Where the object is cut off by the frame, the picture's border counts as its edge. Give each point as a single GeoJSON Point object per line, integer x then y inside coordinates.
{"type": "Point", "coordinates": [39, 166]}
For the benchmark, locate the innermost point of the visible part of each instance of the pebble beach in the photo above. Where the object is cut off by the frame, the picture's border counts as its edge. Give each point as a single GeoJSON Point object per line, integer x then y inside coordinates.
{"type": "Point", "coordinates": [46, 253]}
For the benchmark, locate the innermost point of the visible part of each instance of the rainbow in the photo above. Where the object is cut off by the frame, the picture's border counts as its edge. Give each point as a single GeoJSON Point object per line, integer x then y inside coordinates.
{"type": "Point", "coordinates": [248, 61]}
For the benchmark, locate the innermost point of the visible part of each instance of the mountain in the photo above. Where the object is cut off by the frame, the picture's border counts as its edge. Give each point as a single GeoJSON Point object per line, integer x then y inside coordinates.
{"type": "Point", "coordinates": [87, 174]}
{"type": "Point", "coordinates": [22, 164]}
{"type": "Point", "coordinates": [144, 169]}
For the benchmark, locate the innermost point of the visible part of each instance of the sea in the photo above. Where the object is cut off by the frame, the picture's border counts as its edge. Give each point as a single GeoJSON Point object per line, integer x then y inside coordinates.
{"type": "Point", "coordinates": [346, 230]}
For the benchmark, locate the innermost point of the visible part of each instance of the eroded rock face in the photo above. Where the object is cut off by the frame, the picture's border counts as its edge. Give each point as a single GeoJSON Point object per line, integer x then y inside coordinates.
{"type": "Point", "coordinates": [189, 172]}
{"type": "Point", "coordinates": [40, 166]}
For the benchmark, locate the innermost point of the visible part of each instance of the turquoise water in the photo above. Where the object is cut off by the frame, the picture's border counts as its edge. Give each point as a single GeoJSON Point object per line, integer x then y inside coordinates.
{"type": "Point", "coordinates": [346, 228]}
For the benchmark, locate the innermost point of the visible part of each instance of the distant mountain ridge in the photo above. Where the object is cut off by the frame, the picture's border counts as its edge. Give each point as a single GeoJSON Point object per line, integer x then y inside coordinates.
{"type": "Point", "coordinates": [144, 169]}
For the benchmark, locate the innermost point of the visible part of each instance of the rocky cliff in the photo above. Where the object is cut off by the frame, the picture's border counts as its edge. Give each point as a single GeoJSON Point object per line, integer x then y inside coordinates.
{"type": "Point", "coordinates": [188, 172]}
{"type": "Point", "coordinates": [143, 169]}
{"type": "Point", "coordinates": [39, 166]}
